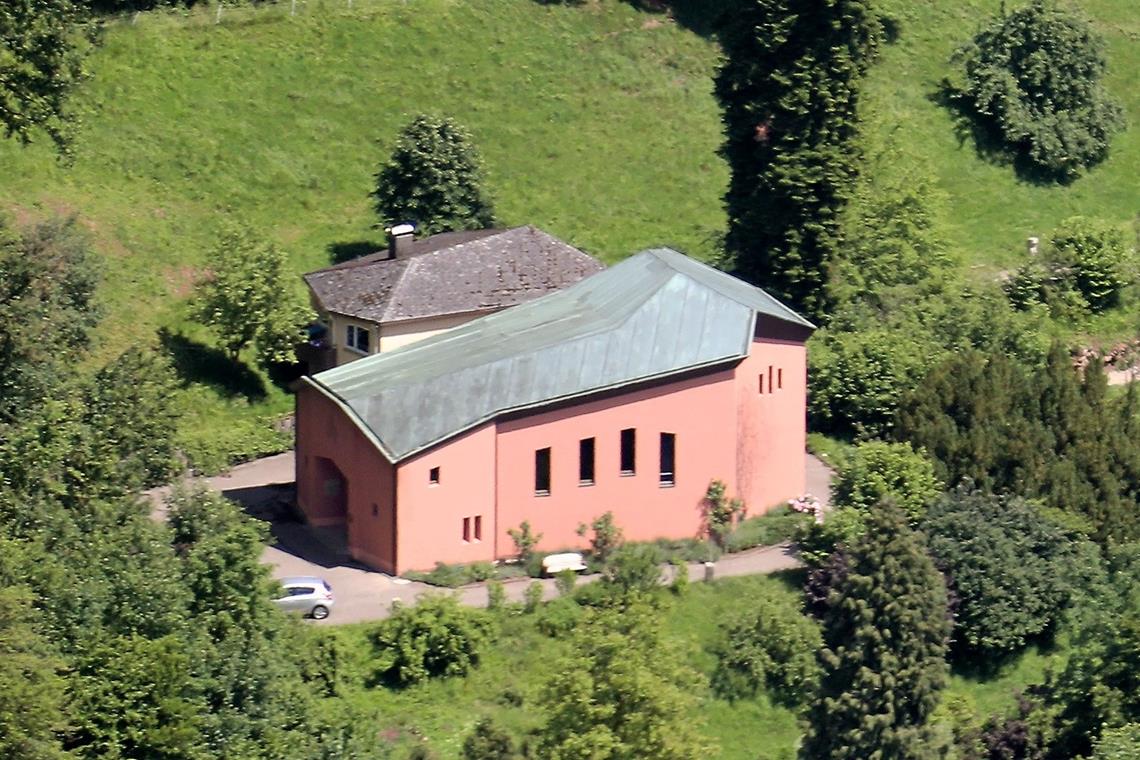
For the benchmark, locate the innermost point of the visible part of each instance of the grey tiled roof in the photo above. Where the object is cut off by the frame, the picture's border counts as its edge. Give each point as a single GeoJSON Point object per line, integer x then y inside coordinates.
{"type": "Point", "coordinates": [656, 314]}
{"type": "Point", "coordinates": [452, 273]}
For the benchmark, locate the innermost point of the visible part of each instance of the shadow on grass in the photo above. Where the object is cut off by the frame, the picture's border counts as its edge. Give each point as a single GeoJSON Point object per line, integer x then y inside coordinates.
{"type": "Point", "coordinates": [198, 363]}
{"type": "Point", "coordinates": [347, 251]}
{"type": "Point", "coordinates": [977, 667]}
{"type": "Point", "coordinates": [988, 141]}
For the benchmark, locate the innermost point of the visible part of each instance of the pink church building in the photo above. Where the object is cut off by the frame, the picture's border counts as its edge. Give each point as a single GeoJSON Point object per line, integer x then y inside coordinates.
{"type": "Point", "coordinates": [628, 392]}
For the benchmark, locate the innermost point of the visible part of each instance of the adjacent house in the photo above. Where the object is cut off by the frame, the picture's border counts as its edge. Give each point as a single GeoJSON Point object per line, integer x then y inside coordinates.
{"type": "Point", "coordinates": [628, 392]}
{"type": "Point", "coordinates": [417, 288]}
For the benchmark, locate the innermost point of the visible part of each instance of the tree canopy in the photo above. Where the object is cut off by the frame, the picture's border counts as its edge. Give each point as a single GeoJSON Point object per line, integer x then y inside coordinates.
{"type": "Point", "coordinates": [433, 179]}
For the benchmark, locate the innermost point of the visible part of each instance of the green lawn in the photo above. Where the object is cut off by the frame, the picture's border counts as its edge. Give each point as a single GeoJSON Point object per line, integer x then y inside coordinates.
{"type": "Point", "coordinates": [597, 123]}
{"type": "Point", "coordinates": [506, 685]}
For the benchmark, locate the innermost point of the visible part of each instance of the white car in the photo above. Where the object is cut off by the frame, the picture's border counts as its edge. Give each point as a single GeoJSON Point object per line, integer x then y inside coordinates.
{"type": "Point", "coordinates": [310, 596]}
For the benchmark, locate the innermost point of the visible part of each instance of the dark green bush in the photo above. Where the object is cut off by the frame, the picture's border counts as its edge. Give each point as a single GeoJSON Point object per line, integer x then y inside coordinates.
{"type": "Point", "coordinates": [1007, 566]}
{"type": "Point", "coordinates": [435, 638]}
{"type": "Point", "coordinates": [558, 618]}
{"type": "Point", "coordinates": [1034, 76]}
{"type": "Point", "coordinates": [488, 742]}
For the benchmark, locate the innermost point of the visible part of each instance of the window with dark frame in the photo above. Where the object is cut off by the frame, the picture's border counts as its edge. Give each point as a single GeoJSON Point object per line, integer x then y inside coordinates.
{"type": "Point", "coordinates": [629, 451]}
{"type": "Point", "coordinates": [780, 378]}
{"type": "Point", "coordinates": [761, 382]}
{"type": "Point", "coordinates": [586, 462]}
{"type": "Point", "coordinates": [771, 385]}
{"type": "Point", "coordinates": [542, 472]}
{"type": "Point", "coordinates": [668, 459]}
{"type": "Point", "coordinates": [433, 476]}
{"type": "Point", "coordinates": [478, 527]}
{"type": "Point", "coordinates": [466, 530]}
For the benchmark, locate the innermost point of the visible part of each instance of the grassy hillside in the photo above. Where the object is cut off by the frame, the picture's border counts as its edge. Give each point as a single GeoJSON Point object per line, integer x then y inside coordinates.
{"type": "Point", "coordinates": [597, 123]}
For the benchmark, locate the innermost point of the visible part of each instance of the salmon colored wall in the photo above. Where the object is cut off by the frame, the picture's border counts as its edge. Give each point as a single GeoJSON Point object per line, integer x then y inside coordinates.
{"type": "Point", "coordinates": [772, 426]}
{"type": "Point", "coordinates": [431, 516]}
{"type": "Point", "coordinates": [324, 430]}
{"type": "Point", "coordinates": [700, 411]}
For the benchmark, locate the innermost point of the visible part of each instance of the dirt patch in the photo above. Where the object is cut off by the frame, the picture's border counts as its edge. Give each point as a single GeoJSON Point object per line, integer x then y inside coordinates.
{"type": "Point", "coordinates": [181, 280]}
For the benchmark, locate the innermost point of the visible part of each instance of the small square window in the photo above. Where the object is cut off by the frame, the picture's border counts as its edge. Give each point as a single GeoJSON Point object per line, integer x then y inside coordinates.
{"type": "Point", "coordinates": [466, 530]}
{"type": "Point", "coordinates": [433, 476]}
{"type": "Point", "coordinates": [478, 527]}
{"type": "Point", "coordinates": [357, 337]}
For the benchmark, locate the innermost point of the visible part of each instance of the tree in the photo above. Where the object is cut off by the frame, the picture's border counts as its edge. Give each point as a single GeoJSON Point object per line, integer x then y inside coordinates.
{"type": "Point", "coordinates": [789, 89]}
{"type": "Point", "coordinates": [42, 49]}
{"type": "Point", "coordinates": [877, 471]}
{"type": "Point", "coordinates": [435, 638]}
{"type": "Point", "coordinates": [771, 645]}
{"type": "Point", "coordinates": [488, 742]}
{"type": "Point", "coordinates": [434, 179]}
{"type": "Point", "coordinates": [32, 707]}
{"type": "Point", "coordinates": [1034, 77]}
{"type": "Point", "coordinates": [248, 297]}
{"type": "Point", "coordinates": [621, 694]}
{"type": "Point", "coordinates": [1121, 743]}
{"type": "Point", "coordinates": [1007, 565]}
{"type": "Point", "coordinates": [47, 288]}
{"type": "Point", "coordinates": [885, 633]}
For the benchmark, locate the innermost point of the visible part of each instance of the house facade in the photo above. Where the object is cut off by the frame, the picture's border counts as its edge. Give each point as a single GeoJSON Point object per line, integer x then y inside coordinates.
{"type": "Point", "coordinates": [626, 393]}
{"type": "Point", "coordinates": [415, 289]}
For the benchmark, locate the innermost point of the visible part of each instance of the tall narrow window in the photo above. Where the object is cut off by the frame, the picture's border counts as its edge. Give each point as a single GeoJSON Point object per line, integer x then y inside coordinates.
{"type": "Point", "coordinates": [466, 529]}
{"type": "Point", "coordinates": [586, 462]}
{"type": "Point", "coordinates": [771, 385]}
{"type": "Point", "coordinates": [668, 459]}
{"type": "Point", "coordinates": [433, 476]}
{"type": "Point", "coordinates": [780, 378]}
{"type": "Point", "coordinates": [628, 451]}
{"type": "Point", "coordinates": [761, 382]}
{"type": "Point", "coordinates": [542, 472]}
{"type": "Point", "coordinates": [478, 527]}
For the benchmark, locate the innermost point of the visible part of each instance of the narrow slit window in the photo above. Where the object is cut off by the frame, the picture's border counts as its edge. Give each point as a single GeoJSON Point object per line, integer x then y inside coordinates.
{"type": "Point", "coordinates": [586, 462]}
{"type": "Point", "coordinates": [628, 451]}
{"type": "Point", "coordinates": [542, 471]}
{"type": "Point", "coordinates": [761, 383]}
{"type": "Point", "coordinates": [433, 476]}
{"type": "Point", "coordinates": [780, 378]}
{"type": "Point", "coordinates": [466, 530]}
{"type": "Point", "coordinates": [668, 459]}
{"type": "Point", "coordinates": [771, 385]}
{"type": "Point", "coordinates": [375, 509]}
{"type": "Point", "coordinates": [478, 527]}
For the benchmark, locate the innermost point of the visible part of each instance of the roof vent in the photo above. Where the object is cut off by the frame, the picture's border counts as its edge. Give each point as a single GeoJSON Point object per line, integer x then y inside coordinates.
{"type": "Point", "coordinates": [400, 239]}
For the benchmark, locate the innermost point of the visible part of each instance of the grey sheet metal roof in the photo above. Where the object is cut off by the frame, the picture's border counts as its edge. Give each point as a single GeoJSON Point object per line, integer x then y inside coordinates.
{"type": "Point", "coordinates": [655, 314]}
{"type": "Point", "coordinates": [452, 273]}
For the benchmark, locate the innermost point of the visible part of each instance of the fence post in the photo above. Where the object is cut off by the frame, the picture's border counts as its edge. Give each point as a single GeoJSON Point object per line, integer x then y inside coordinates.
{"type": "Point", "coordinates": [293, 8]}
{"type": "Point", "coordinates": [218, 18]}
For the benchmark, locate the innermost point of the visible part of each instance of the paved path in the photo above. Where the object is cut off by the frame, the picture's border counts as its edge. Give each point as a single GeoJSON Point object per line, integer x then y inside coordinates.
{"type": "Point", "coordinates": [265, 488]}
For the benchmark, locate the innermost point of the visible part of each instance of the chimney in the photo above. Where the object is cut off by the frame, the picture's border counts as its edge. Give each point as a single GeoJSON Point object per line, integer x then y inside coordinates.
{"type": "Point", "coordinates": [400, 239]}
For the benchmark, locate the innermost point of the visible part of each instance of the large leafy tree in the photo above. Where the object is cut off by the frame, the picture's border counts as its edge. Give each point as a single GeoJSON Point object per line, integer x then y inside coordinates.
{"type": "Point", "coordinates": [621, 694]}
{"type": "Point", "coordinates": [789, 89]}
{"type": "Point", "coordinates": [1034, 76]}
{"type": "Point", "coordinates": [248, 296]}
{"type": "Point", "coordinates": [42, 48]}
{"type": "Point", "coordinates": [433, 179]}
{"type": "Point", "coordinates": [885, 632]}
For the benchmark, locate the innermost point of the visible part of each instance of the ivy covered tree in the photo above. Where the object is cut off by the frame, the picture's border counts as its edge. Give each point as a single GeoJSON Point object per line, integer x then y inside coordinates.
{"type": "Point", "coordinates": [433, 179]}
{"type": "Point", "coordinates": [885, 632]}
{"type": "Point", "coordinates": [789, 90]}
{"type": "Point", "coordinates": [43, 45]}
{"type": "Point", "coordinates": [1034, 76]}
{"type": "Point", "coordinates": [248, 297]}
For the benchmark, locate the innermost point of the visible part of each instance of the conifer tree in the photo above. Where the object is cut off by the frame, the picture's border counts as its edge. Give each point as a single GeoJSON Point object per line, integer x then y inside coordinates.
{"type": "Point", "coordinates": [789, 88]}
{"type": "Point", "coordinates": [885, 638]}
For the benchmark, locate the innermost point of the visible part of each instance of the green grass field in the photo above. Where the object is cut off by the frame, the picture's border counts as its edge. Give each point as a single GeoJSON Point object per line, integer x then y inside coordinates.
{"type": "Point", "coordinates": [507, 684]}
{"type": "Point", "coordinates": [596, 122]}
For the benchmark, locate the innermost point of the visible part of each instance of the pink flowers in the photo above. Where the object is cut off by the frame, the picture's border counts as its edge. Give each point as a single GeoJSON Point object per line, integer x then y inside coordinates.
{"type": "Point", "coordinates": [808, 505]}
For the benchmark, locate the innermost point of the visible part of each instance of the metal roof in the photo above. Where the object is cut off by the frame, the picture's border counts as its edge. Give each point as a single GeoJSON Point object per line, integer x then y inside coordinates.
{"type": "Point", "coordinates": [656, 314]}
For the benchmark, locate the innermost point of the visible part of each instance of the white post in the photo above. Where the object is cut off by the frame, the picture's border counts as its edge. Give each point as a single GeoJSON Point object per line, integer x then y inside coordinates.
{"type": "Point", "coordinates": [218, 18]}
{"type": "Point", "coordinates": [293, 8]}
